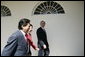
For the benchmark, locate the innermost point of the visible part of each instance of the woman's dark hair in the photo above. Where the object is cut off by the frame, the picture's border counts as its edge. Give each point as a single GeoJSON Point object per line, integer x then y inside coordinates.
{"type": "Point", "coordinates": [23, 22]}
{"type": "Point", "coordinates": [31, 25]}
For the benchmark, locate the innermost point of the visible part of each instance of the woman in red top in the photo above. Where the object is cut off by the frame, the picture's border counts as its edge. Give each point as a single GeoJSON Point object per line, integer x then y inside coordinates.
{"type": "Point", "coordinates": [29, 38]}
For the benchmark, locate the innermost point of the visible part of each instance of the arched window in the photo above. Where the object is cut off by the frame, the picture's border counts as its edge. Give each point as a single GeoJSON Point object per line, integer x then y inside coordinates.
{"type": "Point", "coordinates": [49, 7]}
{"type": "Point", "coordinates": [5, 11]}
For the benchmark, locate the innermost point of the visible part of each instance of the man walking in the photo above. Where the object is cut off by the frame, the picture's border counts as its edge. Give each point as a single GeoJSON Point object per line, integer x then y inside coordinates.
{"type": "Point", "coordinates": [17, 44]}
{"type": "Point", "coordinates": [42, 40]}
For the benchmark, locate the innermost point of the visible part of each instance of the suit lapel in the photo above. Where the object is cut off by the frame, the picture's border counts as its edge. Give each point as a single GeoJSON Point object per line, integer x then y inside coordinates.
{"type": "Point", "coordinates": [22, 39]}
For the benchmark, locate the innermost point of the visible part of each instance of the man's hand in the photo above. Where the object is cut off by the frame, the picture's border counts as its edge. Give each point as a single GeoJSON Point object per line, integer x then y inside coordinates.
{"type": "Point", "coordinates": [44, 46]}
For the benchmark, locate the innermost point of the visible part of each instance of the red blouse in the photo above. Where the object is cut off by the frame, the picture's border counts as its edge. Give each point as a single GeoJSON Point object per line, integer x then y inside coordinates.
{"type": "Point", "coordinates": [29, 38]}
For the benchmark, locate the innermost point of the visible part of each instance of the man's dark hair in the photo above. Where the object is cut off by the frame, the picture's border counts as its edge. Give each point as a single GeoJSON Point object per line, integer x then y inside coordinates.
{"type": "Point", "coordinates": [23, 22]}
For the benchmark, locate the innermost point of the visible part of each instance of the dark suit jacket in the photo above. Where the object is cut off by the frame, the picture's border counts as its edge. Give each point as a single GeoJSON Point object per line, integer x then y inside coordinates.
{"type": "Point", "coordinates": [42, 38]}
{"type": "Point", "coordinates": [16, 45]}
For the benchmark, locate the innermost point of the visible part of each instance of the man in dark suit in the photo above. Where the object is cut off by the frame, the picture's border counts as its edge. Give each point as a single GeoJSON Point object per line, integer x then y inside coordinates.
{"type": "Point", "coordinates": [42, 40]}
{"type": "Point", "coordinates": [17, 44]}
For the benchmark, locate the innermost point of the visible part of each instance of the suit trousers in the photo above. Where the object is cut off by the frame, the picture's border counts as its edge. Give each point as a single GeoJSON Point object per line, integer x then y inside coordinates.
{"type": "Point", "coordinates": [43, 52]}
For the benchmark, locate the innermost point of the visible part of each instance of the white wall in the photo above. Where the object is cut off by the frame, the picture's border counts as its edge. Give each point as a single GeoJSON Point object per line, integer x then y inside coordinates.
{"type": "Point", "coordinates": [65, 31]}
